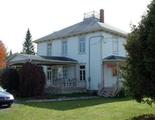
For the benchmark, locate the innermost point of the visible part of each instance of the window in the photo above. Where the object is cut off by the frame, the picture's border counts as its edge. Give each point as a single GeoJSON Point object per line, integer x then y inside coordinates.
{"type": "Point", "coordinates": [54, 73]}
{"type": "Point", "coordinates": [115, 46]}
{"type": "Point", "coordinates": [64, 48]}
{"type": "Point", "coordinates": [82, 72]}
{"type": "Point", "coordinates": [49, 49]}
{"type": "Point", "coordinates": [82, 45]}
{"type": "Point", "coordinates": [65, 72]}
{"type": "Point", "coordinates": [49, 73]}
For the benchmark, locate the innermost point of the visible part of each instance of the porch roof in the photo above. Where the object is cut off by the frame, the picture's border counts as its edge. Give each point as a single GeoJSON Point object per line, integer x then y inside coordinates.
{"type": "Point", "coordinates": [17, 59]}
{"type": "Point", "coordinates": [114, 58]}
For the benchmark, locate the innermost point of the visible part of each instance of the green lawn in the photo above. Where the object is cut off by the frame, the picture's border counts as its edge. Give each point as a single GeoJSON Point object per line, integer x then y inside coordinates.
{"type": "Point", "coordinates": [94, 109]}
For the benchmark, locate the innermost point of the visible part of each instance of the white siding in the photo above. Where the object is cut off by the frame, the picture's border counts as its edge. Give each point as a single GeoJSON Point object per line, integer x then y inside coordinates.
{"type": "Point", "coordinates": [107, 47]}
{"type": "Point", "coordinates": [100, 48]}
{"type": "Point", "coordinates": [42, 49]}
{"type": "Point", "coordinates": [56, 48]}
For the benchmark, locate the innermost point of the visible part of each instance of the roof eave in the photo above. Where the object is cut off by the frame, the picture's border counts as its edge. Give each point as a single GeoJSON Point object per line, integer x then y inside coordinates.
{"type": "Point", "coordinates": [105, 30]}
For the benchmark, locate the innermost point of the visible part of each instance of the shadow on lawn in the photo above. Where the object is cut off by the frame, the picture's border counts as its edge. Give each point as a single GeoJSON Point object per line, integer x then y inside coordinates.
{"type": "Point", "coordinates": [74, 104]}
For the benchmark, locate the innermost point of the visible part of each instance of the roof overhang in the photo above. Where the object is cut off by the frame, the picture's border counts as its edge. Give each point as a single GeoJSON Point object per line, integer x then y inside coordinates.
{"type": "Point", "coordinates": [19, 59]}
{"type": "Point", "coordinates": [114, 58]}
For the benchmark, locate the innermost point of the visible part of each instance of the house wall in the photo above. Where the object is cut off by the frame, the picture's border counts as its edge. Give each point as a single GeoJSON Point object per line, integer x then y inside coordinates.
{"type": "Point", "coordinates": [42, 48]}
{"type": "Point", "coordinates": [100, 47]}
{"type": "Point", "coordinates": [107, 45]}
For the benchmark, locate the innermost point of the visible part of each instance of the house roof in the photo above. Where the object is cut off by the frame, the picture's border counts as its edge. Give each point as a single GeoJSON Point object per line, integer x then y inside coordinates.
{"type": "Point", "coordinates": [87, 26]}
{"type": "Point", "coordinates": [43, 60]}
{"type": "Point", "coordinates": [114, 58]}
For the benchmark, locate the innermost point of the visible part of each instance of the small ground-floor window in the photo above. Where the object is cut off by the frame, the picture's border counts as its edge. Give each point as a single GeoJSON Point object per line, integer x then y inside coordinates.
{"type": "Point", "coordinates": [49, 73]}
{"type": "Point", "coordinates": [82, 72]}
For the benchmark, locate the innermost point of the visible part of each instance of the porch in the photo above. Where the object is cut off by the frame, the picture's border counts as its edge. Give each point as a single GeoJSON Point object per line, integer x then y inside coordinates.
{"type": "Point", "coordinates": [112, 79]}
{"type": "Point", "coordinates": [63, 79]}
{"type": "Point", "coordinates": [62, 73]}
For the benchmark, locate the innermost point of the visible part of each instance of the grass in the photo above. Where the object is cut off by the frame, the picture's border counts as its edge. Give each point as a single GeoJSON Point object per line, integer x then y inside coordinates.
{"type": "Point", "coordinates": [56, 96]}
{"type": "Point", "coordinates": [93, 109]}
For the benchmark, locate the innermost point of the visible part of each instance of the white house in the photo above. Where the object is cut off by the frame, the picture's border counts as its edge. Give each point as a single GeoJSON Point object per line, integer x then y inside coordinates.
{"type": "Point", "coordinates": [81, 57]}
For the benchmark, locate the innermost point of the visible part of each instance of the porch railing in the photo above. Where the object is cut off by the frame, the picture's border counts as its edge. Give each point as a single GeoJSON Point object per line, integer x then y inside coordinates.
{"type": "Point", "coordinates": [68, 83]}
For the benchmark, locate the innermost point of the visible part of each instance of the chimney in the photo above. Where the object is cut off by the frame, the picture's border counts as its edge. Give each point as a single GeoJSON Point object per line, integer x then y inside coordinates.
{"type": "Point", "coordinates": [102, 15]}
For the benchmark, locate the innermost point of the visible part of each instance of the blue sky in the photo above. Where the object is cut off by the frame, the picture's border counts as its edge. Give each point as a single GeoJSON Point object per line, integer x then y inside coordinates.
{"type": "Point", "coordinates": [46, 16]}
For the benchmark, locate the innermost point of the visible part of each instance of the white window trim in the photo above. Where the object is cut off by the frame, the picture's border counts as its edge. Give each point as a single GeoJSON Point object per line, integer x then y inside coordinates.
{"type": "Point", "coordinates": [82, 39]}
{"type": "Point", "coordinates": [115, 45]}
{"type": "Point", "coordinates": [82, 72]}
{"type": "Point", "coordinates": [49, 53]}
{"type": "Point", "coordinates": [64, 52]}
{"type": "Point", "coordinates": [65, 70]}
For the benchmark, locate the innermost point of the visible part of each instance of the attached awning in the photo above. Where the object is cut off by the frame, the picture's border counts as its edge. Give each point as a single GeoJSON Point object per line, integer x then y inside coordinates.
{"type": "Point", "coordinates": [113, 58]}
{"type": "Point", "coordinates": [18, 59]}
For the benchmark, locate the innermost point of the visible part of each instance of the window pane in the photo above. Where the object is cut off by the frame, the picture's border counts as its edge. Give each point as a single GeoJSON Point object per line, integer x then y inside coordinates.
{"type": "Point", "coordinates": [84, 78]}
{"type": "Point", "coordinates": [49, 49]}
{"type": "Point", "coordinates": [65, 72]}
{"type": "Point", "coordinates": [82, 45]}
{"type": "Point", "coordinates": [115, 46]}
{"type": "Point", "coordinates": [64, 48]}
{"type": "Point", "coordinates": [82, 67]}
{"type": "Point", "coordinates": [82, 72]}
{"type": "Point", "coordinates": [80, 75]}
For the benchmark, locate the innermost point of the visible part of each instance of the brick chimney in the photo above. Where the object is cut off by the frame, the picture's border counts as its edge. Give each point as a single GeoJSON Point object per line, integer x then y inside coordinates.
{"type": "Point", "coordinates": [102, 15]}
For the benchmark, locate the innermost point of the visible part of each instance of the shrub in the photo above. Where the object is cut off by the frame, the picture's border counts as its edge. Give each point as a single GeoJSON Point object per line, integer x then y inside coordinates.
{"type": "Point", "coordinates": [10, 80]}
{"type": "Point", "coordinates": [145, 117]}
{"type": "Point", "coordinates": [32, 80]}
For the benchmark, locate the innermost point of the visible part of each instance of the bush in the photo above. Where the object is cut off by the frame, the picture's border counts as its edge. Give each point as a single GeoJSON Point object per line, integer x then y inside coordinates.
{"type": "Point", "coordinates": [9, 80]}
{"type": "Point", "coordinates": [145, 117]}
{"type": "Point", "coordinates": [121, 93]}
{"type": "Point", "coordinates": [32, 80]}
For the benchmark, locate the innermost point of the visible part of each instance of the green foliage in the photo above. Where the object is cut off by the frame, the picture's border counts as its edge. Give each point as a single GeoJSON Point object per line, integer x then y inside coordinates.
{"type": "Point", "coordinates": [145, 117]}
{"type": "Point", "coordinates": [92, 109]}
{"type": "Point", "coordinates": [10, 80]}
{"type": "Point", "coordinates": [32, 80]}
{"type": "Point", "coordinates": [140, 68]}
{"type": "Point", "coordinates": [28, 47]}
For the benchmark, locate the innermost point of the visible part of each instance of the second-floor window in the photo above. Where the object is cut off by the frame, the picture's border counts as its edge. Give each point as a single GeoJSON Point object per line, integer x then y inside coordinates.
{"type": "Point", "coordinates": [49, 49]}
{"type": "Point", "coordinates": [82, 45]}
{"type": "Point", "coordinates": [64, 48]}
{"type": "Point", "coordinates": [115, 46]}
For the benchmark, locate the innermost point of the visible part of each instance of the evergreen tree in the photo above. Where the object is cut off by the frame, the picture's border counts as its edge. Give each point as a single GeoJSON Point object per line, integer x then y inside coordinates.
{"type": "Point", "coordinates": [140, 70]}
{"type": "Point", "coordinates": [28, 47]}
{"type": "Point", "coordinates": [9, 54]}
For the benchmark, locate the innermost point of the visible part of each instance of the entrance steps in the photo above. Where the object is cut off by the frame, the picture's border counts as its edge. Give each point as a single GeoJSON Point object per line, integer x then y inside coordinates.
{"type": "Point", "coordinates": [108, 92]}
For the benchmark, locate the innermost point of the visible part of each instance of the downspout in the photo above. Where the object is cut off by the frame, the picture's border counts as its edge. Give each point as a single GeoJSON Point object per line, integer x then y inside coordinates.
{"type": "Point", "coordinates": [89, 77]}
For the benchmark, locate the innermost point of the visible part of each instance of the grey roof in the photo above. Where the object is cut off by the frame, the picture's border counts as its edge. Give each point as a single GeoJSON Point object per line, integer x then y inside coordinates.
{"type": "Point", "coordinates": [44, 60]}
{"type": "Point", "coordinates": [114, 58]}
{"type": "Point", "coordinates": [87, 26]}
{"type": "Point", "coordinates": [58, 58]}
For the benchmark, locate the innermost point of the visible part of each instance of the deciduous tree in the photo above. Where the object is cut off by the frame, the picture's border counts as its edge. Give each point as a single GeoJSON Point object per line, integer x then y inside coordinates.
{"type": "Point", "coordinates": [140, 70]}
{"type": "Point", "coordinates": [2, 55]}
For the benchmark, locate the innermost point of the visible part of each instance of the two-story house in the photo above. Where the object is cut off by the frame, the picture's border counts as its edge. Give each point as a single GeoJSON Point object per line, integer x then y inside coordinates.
{"type": "Point", "coordinates": [81, 57]}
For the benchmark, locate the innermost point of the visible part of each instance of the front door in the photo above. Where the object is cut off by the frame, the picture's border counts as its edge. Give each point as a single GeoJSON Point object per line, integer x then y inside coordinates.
{"type": "Point", "coordinates": [110, 74]}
